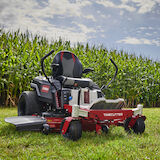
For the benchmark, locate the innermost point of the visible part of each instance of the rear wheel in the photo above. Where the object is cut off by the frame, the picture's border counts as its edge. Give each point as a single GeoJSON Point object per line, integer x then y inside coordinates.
{"type": "Point", "coordinates": [28, 103]}
{"type": "Point", "coordinates": [139, 126]}
{"type": "Point", "coordinates": [74, 131]}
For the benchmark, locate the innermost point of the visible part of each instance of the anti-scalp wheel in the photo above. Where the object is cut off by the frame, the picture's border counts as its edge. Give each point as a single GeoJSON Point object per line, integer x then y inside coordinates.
{"type": "Point", "coordinates": [105, 129]}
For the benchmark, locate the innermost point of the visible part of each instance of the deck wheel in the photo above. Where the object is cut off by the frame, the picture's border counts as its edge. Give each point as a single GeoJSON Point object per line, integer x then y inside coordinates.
{"type": "Point", "coordinates": [105, 129]}
{"type": "Point", "coordinates": [139, 126]}
{"type": "Point", "coordinates": [46, 129]}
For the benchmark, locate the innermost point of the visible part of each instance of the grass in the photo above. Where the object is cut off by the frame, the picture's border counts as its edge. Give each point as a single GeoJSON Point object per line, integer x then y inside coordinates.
{"type": "Point", "coordinates": [115, 145]}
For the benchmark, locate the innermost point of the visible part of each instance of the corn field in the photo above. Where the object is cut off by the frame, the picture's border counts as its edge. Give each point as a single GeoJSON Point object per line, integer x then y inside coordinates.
{"type": "Point", "coordinates": [138, 79]}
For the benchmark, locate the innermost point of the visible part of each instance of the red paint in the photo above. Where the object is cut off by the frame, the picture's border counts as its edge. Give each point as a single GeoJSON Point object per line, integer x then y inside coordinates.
{"type": "Point", "coordinates": [86, 97]}
{"type": "Point", "coordinates": [73, 58]}
{"type": "Point", "coordinates": [95, 120]}
{"type": "Point", "coordinates": [66, 124]}
{"type": "Point", "coordinates": [54, 123]}
{"type": "Point", "coordinates": [88, 125]}
{"type": "Point", "coordinates": [115, 114]}
{"type": "Point", "coordinates": [134, 119]}
{"type": "Point", "coordinates": [57, 101]}
{"type": "Point", "coordinates": [98, 128]}
{"type": "Point", "coordinates": [45, 88]}
{"type": "Point", "coordinates": [68, 107]}
{"type": "Point", "coordinates": [62, 55]}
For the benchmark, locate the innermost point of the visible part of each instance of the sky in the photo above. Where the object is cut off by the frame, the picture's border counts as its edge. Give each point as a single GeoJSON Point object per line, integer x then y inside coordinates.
{"type": "Point", "coordinates": [129, 25]}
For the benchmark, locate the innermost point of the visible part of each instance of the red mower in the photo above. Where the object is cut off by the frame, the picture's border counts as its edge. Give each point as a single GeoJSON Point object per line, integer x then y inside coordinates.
{"type": "Point", "coordinates": [67, 103]}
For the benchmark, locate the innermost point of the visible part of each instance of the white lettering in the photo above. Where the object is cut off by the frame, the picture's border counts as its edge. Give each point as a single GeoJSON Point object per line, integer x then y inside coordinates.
{"type": "Point", "coordinates": [112, 114]}
{"type": "Point", "coordinates": [45, 89]}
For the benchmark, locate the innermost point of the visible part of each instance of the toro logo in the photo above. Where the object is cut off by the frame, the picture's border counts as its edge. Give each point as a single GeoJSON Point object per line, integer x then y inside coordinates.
{"type": "Point", "coordinates": [112, 114]}
{"type": "Point", "coordinates": [45, 88]}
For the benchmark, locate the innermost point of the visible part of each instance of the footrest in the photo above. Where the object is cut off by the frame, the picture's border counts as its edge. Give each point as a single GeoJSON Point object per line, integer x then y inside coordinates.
{"type": "Point", "coordinates": [108, 104]}
{"type": "Point", "coordinates": [26, 122]}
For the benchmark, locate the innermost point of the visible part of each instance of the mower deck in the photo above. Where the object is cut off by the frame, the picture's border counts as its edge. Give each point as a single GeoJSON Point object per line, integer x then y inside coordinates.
{"type": "Point", "coordinates": [26, 122]}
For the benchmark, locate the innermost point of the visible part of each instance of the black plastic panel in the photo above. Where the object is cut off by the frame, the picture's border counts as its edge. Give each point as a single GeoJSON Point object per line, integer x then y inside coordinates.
{"type": "Point", "coordinates": [45, 95]}
{"type": "Point", "coordinates": [66, 95]}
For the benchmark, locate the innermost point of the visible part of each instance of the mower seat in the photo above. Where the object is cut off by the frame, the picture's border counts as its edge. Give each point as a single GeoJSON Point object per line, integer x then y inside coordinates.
{"type": "Point", "coordinates": [68, 65]}
{"type": "Point", "coordinates": [69, 71]}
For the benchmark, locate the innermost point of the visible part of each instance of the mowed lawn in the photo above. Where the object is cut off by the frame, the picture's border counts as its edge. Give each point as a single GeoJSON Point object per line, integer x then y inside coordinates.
{"type": "Point", "coordinates": [117, 144]}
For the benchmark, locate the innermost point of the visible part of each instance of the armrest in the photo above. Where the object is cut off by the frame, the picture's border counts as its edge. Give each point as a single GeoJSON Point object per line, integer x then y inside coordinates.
{"type": "Point", "coordinates": [87, 70]}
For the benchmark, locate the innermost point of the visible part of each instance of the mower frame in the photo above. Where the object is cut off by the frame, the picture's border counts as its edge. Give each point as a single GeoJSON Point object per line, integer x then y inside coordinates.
{"type": "Point", "coordinates": [75, 115]}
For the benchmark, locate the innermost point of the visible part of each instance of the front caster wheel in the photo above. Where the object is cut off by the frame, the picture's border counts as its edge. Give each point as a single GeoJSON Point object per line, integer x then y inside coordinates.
{"type": "Point", "coordinates": [74, 131]}
{"type": "Point", "coordinates": [139, 126]}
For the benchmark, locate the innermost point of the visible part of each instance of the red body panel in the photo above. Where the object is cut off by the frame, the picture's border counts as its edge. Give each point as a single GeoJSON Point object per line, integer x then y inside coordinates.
{"type": "Point", "coordinates": [68, 107]}
{"type": "Point", "coordinates": [133, 120]}
{"type": "Point", "coordinates": [95, 120]}
{"type": "Point", "coordinates": [88, 125]}
{"type": "Point", "coordinates": [45, 88]}
{"type": "Point", "coordinates": [110, 117]}
{"type": "Point", "coordinates": [66, 124]}
{"type": "Point", "coordinates": [54, 123]}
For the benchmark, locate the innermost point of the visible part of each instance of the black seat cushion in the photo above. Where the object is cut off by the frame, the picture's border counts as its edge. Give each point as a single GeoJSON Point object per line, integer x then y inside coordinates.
{"type": "Point", "coordinates": [77, 82]}
{"type": "Point", "coordinates": [69, 65]}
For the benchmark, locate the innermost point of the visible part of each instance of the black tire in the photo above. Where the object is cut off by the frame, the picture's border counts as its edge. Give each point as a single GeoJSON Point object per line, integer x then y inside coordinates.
{"type": "Point", "coordinates": [139, 126]}
{"type": "Point", "coordinates": [126, 123]}
{"type": "Point", "coordinates": [105, 129]}
{"type": "Point", "coordinates": [28, 104]}
{"type": "Point", "coordinates": [74, 131]}
{"type": "Point", "coordinates": [45, 129]}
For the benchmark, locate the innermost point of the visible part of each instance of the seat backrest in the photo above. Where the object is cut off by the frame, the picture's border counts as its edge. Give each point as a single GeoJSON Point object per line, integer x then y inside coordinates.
{"type": "Point", "coordinates": [69, 65]}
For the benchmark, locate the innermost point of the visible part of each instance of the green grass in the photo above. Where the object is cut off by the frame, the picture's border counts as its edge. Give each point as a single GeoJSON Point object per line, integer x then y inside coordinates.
{"type": "Point", "coordinates": [115, 145]}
